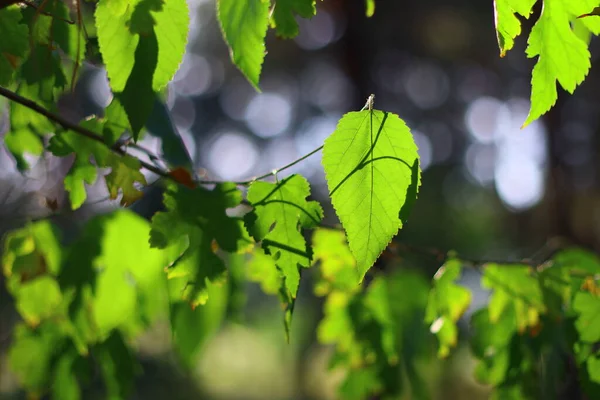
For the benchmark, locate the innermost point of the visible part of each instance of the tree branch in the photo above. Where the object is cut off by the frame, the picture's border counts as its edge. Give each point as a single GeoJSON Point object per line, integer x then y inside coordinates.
{"type": "Point", "coordinates": [76, 128]}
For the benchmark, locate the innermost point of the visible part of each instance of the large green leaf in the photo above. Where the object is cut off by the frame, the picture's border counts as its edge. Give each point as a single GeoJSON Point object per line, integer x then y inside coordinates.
{"type": "Point", "coordinates": [244, 25]}
{"type": "Point", "coordinates": [372, 169]}
{"type": "Point", "coordinates": [280, 212]}
{"type": "Point", "coordinates": [284, 18]}
{"type": "Point", "coordinates": [14, 44]}
{"type": "Point", "coordinates": [142, 44]}
{"type": "Point", "coordinates": [447, 303]}
{"type": "Point", "coordinates": [193, 220]}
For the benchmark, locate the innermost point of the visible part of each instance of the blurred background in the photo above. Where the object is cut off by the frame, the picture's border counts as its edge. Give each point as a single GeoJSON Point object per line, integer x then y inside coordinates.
{"type": "Point", "coordinates": [491, 190]}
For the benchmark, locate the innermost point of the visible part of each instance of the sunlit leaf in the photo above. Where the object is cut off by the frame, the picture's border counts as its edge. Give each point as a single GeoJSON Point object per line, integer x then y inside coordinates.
{"type": "Point", "coordinates": [562, 56]}
{"type": "Point", "coordinates": [514, 287]}
{"type": "Point", "coordinates": [587, 307]}
{"type": "Point", "coordinates": [447, 303]}
{"type": "Point", "coordinates": [508, 25]}
{"type": "Point", "coordinates": [369, 8]}
{"type": "Point", "coordinates": [31, 354]}
{"type": "Point", "coordinates": [372, 170]}
{"type": "Point", "coordinates": [284, 15]}
{"type": "Point", "coordinates": [244, 25]}
{"type": "Point", "coordinates": [337, 265]}
{"type": "Point", "coordinates": [280, 212]}
{"type": "Point", "coordinates": [142, 44]}
{"type": "Point", "coordinates": [194, 219]}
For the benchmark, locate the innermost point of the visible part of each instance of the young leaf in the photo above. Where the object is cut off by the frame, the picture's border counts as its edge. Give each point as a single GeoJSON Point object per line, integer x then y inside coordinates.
{"type": "Point", "coordinates": [244, 25]}
{"type": "Point", "coordinates": [14, 44]}
{"type": "Point", "coordinates": [563, 56]}
{"type": "Point", "coordinates": [508, 26]}
{"type": "Point", "coordinates": [280, 212]}
{"type": "Point", "coordinates": [447, 303]}
{"type": "Point", "coordinates": [372, 170]}
{"type": "Point", "coordinates": [284, 19]}
{"type": "Point", "coordinates": [196, 218]}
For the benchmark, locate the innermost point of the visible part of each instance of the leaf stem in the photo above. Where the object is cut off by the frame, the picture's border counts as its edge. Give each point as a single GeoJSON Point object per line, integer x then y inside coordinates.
{"type": "Point", "coordinates": [276, 171]}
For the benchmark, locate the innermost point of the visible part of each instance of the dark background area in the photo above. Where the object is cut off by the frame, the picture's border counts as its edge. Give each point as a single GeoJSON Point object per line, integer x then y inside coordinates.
{"type": "Point", "coordinates": [490, 189]}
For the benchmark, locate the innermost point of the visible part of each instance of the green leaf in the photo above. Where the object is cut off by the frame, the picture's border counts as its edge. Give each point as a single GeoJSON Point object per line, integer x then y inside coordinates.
{"type": "Point", "coordinates": [124, 277]}
{"type": "Point", "coordinates": [65, 385]}
{"type": "Point", "coordinates": [508, 26]}
{"type": "Point", "coordinates": [116, 122]}
{"type": "Point", "coordinates": [284, 15]}
{"type": "Point", "coordinates": [38, 299]}
{"type": "Point", "coordinates": [120, 25]}
{"type": "Point", "coordinates": [191, 328]}
{"type": "Point", "coordinates": [338, 267]}
{"type": "Point", "coordinates": [587, 307]}
{"type": "Point", "coordinates": [563, 56]}
{"type": "Point", "coordinates": [32, 251]}
{"type": "Point", "coordinates": [118, 366]}
{"type": "Point", "coordinates": [190, 227]}
{"type": "Point", "coordinates": [124, 174]}
{"type": "Point", "coordinates": [369, 8]}
{"type": "Point", "coordinates": [142, 44]}
{"type": "Point", "coordinates": [30, 355]}
{"type": "Point", "coordinates": [515, 288]}
{"type": "Point", "coordinates": [173, 148]}
{"type": "Point", "coordinates": [490, 344]}
{"type": "Point", "coordinates": [280, 213]}
{"type": "Point", "coordinates": [138, 95]}
{"type": "Point", "coordinates": [80, 173]}
{"type": "Point", "coordinates": [372, 170]}
{"type": "Point", "coordinates": [14, 44]}
{"type": "Point", "coordinates": [593, 367]}
{"type": "Point", "coordinates": [244, 25]}
{"type": "Point", "coordinates": [447, 303]}
{"type": "Point", "coordinates": [262, 269]}
{"type": "Point", "coordinates": [125, 170]}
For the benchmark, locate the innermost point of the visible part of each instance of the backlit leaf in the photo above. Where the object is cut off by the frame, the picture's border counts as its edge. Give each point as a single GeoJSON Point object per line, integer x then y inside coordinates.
{"type": "Point", "coordinates": [284, 15]}
{"type": "Point", "coordinates": [515, 288]}
{"type": "Point", "coordinates": [562, 56]}
{"type": "Point", "coordinates": [447, 303]}
{"type": "Point", "coordinates": [372, 170]}
{"type": "Point", "coordinates": [508, 26]}
{"type": "Point", "coordinates": [369, 8]}
{"type": "Point", "coordinates": [280, 212]}
{"type": "Point", "coordinates": [193, 220]}
{"type": "Point", "coordinates": [338, 267]}
{"type": "Point", "coordinates": [587, 307]}
{"type": "Point", "coordinates": [244, 25]}
{"type": "Point", "coordinates": [142, 44]}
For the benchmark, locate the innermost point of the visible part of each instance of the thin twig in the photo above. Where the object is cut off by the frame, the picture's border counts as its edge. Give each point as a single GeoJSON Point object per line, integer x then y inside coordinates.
{"type": "Point", "coordinates": [76, 128]}
{"type": "Point", "coordinates": [277, 170]}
